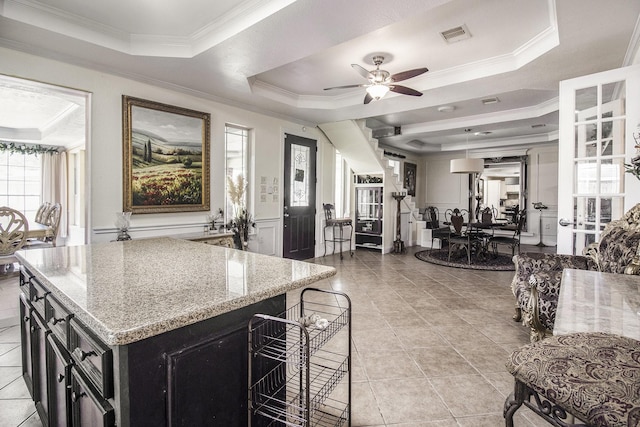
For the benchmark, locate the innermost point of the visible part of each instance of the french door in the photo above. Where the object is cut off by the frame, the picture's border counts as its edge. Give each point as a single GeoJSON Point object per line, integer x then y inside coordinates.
{"type": "Point", "coordinates": [599, 116]}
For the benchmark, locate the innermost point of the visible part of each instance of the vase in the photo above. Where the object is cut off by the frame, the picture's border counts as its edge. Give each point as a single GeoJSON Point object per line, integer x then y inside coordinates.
{"type": "Point", "coordinates": [123, 220]}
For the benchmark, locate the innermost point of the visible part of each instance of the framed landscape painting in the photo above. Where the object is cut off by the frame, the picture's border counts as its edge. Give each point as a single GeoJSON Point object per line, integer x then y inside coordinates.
{"type": "Point", "coordinates": [165, 156]}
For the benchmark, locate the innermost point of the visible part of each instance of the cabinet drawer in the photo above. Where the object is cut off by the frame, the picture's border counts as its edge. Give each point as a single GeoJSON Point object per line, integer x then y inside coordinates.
{"type": "Point", "coordinates": [25, 283]}
{"type": "Point", "coordinates": [57, 318]}
{"type": "Point", "coordinates": [87, 406]}
{"type": "Point", "coordinates": [92, 356]}
{"type": "Point", "coordinates": [38, 294]}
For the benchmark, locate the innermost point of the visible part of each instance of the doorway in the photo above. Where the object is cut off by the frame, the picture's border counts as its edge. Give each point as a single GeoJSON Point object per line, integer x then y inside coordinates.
{"type": "Point", "coordinates": [41, 114]}
{"type": "Point", "coordinates": [299, 211]}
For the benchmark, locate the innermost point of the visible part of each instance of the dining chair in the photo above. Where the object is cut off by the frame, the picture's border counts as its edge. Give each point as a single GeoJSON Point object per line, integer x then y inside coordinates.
{"type": "Point", "coordinates": [433, 223]}
{"type": "Point", "coordinates": [511, 241]}
{"type": "Point", "coordinates": [42, 211]}
{"type": "Point", "coordinates": [458, 235]}
{"type": "Point", "coordinates": [13, 235]}
{"type": "Point", "coordinates": [51, 220]}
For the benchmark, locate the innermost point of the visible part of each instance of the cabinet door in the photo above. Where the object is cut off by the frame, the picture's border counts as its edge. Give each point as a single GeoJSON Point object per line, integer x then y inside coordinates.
{"type": "Point", "coordinates": [39, 334]}
{"type": "Point", "coordinates": [25, 341]}
{"type": "Point", "coordinates": [87, 406]}
{"type": "Point", "coordinates": [58, 383]}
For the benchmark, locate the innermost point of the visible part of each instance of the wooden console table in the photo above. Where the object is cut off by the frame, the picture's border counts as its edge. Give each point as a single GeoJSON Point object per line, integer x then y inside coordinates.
{"type": "Point", "coordinates": [591, 301]}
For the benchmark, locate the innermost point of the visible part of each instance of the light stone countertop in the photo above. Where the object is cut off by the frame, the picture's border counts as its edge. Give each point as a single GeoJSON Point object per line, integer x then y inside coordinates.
{"type": "Point", "coordinates": [129, 291]}
{"type": "Point", "coordinates": [591, 301]}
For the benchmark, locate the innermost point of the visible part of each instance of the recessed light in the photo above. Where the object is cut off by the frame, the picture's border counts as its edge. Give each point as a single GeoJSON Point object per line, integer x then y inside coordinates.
{"type": "Point", "coordinates": [446, 108]}
{"type": "Point", "coordinates": [482, 133]}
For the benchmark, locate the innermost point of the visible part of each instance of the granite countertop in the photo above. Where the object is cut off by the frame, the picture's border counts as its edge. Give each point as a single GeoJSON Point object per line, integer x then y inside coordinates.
{"type": "Point", "coordinates": [129, 291]}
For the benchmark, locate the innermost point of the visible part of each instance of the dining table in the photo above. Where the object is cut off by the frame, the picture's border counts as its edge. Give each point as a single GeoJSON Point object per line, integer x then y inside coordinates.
{"type": "Point", "coordinates": [478, 231]}
{"type": "Point", "coordinates": [39, 231]}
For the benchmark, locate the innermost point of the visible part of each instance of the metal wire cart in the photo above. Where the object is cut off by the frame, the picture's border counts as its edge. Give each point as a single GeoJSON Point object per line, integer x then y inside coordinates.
{"type": "Point", "coordinates": [299, 361]}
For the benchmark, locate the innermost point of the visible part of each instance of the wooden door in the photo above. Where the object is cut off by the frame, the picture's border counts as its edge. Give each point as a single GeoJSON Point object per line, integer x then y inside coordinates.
{"type": "Point", "coordinates": [299, 210]}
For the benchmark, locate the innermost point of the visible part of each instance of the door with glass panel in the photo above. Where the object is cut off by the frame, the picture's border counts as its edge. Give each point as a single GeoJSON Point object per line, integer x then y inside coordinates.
{"type": "Point", "coordinates": [299, 209]}
{"type": "Point", "coordinates": [598, 115]}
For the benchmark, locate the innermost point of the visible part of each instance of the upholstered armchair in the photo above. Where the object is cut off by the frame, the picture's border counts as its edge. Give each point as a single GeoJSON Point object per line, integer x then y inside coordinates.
{"type": "Point", "coordinates": [536, 283]}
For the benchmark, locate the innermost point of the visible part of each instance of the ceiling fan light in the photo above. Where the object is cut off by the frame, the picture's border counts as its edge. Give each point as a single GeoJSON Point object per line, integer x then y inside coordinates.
{"type": "Point", "coordinates": [377, 91]}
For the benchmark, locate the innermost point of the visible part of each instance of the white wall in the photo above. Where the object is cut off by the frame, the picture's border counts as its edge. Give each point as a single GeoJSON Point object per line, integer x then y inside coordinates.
{"type": "Point", "coordinates": [105, 146]}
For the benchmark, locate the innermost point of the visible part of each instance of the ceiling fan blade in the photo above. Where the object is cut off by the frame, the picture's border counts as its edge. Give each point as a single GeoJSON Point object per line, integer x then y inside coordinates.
{"type": "Point", "coordinates": [404, 90]}
{"type": "Point", "coordinates": [343, 87]}
{"type": "Point", "coordinates": [368, 98]}
{"type": "Point", "coordinates": [362, 71]}
{"type": "Point", "coordinates": [408, 74]}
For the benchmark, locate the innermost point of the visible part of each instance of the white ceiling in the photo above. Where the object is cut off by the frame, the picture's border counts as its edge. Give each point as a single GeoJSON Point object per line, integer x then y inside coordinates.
{"type": "Point", "coordinates": [277, 56]}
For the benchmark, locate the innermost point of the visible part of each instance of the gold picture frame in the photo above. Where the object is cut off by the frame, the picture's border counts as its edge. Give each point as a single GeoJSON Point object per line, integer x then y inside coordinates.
{"type": "Point", "coordinates": [165, 157]}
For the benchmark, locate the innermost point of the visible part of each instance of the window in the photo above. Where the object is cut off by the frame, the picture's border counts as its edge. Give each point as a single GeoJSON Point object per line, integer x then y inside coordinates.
{"type": "Point", "coordinates": [20, 182]}
{"type": "Point", "coordinates": [237, 164]}
{"type": "Point", "coordinates": [342, 184]}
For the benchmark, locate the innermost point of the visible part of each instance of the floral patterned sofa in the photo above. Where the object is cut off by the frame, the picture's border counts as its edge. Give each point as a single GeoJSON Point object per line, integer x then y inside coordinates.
{"type": "Point", "coordinates": [536, 282]}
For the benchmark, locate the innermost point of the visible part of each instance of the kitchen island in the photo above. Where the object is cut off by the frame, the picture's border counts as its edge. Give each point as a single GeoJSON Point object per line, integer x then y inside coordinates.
{"type": "Point", "coordinates": [146, 332]}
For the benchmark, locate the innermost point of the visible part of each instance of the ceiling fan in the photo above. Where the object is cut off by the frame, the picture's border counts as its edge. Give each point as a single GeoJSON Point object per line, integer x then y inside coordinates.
{"type": "Point", "coordinates": [381, 81]}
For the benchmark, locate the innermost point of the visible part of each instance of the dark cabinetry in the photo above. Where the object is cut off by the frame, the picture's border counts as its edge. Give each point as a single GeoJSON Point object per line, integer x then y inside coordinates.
{"type": "Point", "coordinates": [60, 385]}
{"type": "Point", "coordinates": [194, 375]}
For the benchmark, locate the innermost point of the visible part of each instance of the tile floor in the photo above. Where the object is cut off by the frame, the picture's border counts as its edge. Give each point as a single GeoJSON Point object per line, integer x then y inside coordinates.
{"type": "Point", "coordinates": [429, 344]}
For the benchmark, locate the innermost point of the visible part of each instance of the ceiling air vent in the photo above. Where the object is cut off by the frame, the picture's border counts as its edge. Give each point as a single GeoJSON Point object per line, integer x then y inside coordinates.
{"type": "Point", "coordinates": [456, 34]}
{"type": "Point", "coordinates": [489, 101]}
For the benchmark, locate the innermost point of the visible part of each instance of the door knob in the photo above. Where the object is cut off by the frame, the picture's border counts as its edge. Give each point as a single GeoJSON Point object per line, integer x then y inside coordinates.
{"type": "Point", "coordinates": [565, 222]}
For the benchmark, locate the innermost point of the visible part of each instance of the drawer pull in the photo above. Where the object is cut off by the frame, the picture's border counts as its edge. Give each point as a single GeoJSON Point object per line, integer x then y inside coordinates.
{"type": "Point", "coordinates": [33, 329]}
{"type": "Point", "coordinates": [37, 298]}
{"type": "Point", "coordinates": [60, 378]}
{"type": "Point", "coordinates": [85, 354]}
{"type": "Point", "coordinates": [76, 396]}
{"type": "Point", "coordinates": [55, 321]}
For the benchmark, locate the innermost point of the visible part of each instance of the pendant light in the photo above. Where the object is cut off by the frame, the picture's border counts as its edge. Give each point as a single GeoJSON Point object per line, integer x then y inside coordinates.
{"type": "Point", "coordinates": [466, 165]}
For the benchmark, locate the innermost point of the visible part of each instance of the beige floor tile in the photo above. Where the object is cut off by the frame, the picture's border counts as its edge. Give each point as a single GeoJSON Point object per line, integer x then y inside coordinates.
{"type": "Point", "coordinates": [365, 411]}
{"type": "Point", "coordinates": [441, 361]}
{"type": "Point", "coordinates": [468, 395]}
{"type": "Point", "coordinates": [10, 335]}
{"type": "Point", "coordinates": [441, 316]}
{"type": "Point", "coordinates": [373, 340]}
{"type": "Point", "coordinates": [8, 374]}
{"type": "Point", "coordinates": [462, 334]}
{"type": "Point", "coordinates": [385, 364]}
{"type": "Point", "coordinates": [408, 400]}
{"type": "Point", "coordinates": [412, 337]}
{"type": "Point", "coordinates": [17, 389]}
{"type": "Point", "coordinates": [405, 319]}
{"type": "Point", "coordinates": [485, 358]}
{"type": "Point", "coordinates": [502, 381]}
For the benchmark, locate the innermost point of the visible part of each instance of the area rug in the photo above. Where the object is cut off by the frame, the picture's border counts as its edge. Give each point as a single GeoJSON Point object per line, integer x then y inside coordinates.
{"type": "Point", "coordinates": [459, 260]}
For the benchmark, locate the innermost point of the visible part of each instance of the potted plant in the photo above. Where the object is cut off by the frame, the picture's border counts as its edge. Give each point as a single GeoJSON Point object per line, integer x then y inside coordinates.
{"type": "Point", "coordinates": [242, 221]}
